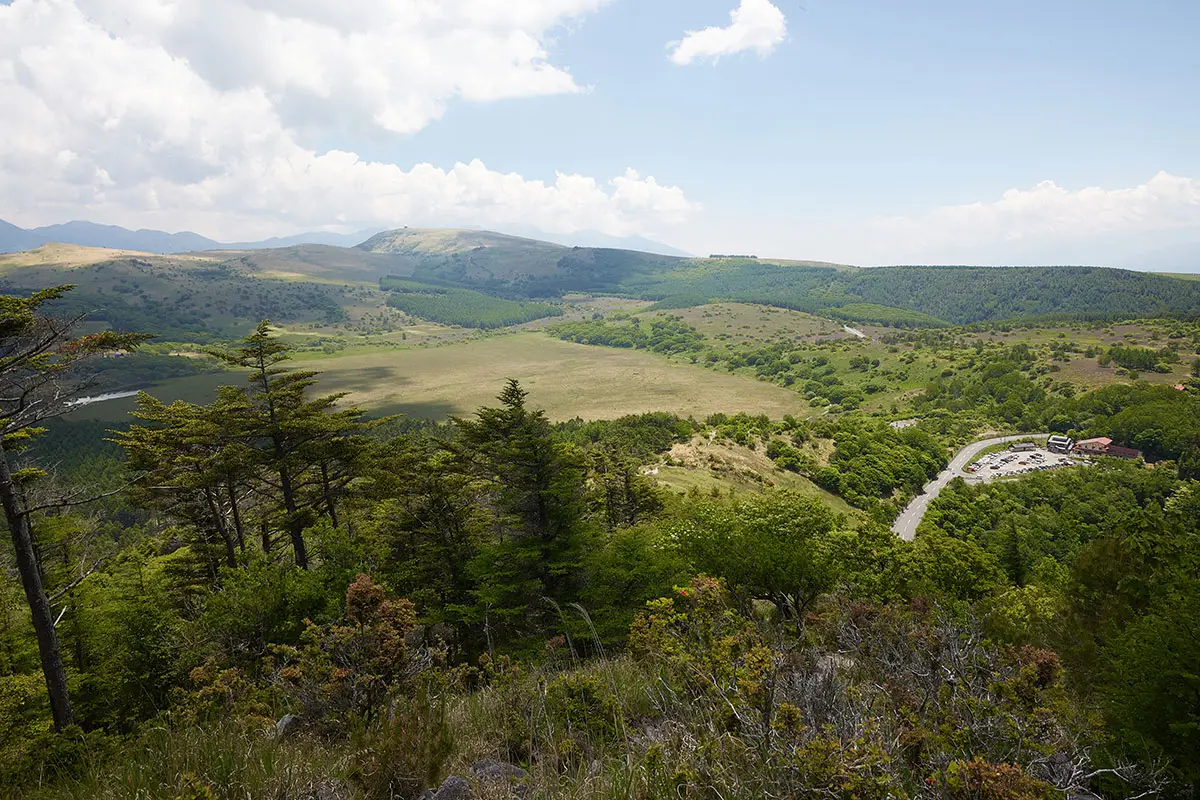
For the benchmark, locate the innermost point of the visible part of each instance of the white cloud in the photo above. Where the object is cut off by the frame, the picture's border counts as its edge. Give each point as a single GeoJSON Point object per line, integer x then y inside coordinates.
{"type": "Point", "coordinates": [212, 114]}
{"type": "Point", "coordinates": [1154, 225]}
{"type": "Point", "coordinates": [1047, 218]}
{"type": "Point", "coordinates": [756, 25]}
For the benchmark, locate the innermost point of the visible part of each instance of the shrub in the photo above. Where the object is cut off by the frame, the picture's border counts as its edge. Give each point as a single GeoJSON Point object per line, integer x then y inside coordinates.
{"type": "Point", "coordinates": [351, 668]}
{"type": "Point", "coordinates": [979, 780]}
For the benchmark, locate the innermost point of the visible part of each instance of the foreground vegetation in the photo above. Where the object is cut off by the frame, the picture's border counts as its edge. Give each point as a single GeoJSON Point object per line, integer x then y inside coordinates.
{"type": "Point", "coordinates": [272, 595]}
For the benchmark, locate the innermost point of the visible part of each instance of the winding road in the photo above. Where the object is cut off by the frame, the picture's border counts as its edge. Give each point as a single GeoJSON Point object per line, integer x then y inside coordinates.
{"type": "Point", "coordinates": [906, 524]}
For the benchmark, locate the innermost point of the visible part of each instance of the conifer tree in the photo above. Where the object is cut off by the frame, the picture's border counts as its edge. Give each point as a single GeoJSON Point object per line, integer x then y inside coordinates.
{"type": "Point", "coordinates": [195, 466]}
{"type": "Point", "coordinates": [39, 377]}
{"type": "Point", "coordinates": [300, 445]}
{"type": "Point", "coordinates": [426, 516]}
{"type": "Point", "coordinates": [535, 485]}
{"type": "Point", "coordinates": [624, 494]}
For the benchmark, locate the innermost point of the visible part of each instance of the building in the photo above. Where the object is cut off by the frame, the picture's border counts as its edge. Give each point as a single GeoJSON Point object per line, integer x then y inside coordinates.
{"type": "Point", "coordinates": [1023, 447]}
{"type": "Point", "coordinates": [1094, 447]}
{"type": "Point", "coordinates": [1060, 444]}
{"type": "Point", "coordinates": [1103, 446]}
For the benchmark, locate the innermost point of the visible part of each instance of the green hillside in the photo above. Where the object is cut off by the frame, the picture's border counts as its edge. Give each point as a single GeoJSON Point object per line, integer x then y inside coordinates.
{"type": "Point", "coordinates": [984, 294]}
{"type": "Point", "coordinates": [928, 295]}
{"type": "Point", "coordinates": [311, 262]}
{"type": "Point", "coordinates": [219, 294]}
{"type": "Point", "coordinates": [511, 265]}
{"type": "Point", "coordinates": [450, 241]}
{"type": "Point", "coordinates": [180, 298]}
{"type": "Point", "coordinates": [905, 296]}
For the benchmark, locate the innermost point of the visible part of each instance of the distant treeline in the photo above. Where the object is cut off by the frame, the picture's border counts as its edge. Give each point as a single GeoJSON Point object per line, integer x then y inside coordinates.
{"type": "Point", "coordinates": [975, 294]}
{"type": "Point", "coordinates": [914, 296]}
{"type": "Point", "coordinates": [464, 307]}
{"type": "Point", "coordinates": [929, 296]}
{"type": "Point", "coordinates": [667, 336]}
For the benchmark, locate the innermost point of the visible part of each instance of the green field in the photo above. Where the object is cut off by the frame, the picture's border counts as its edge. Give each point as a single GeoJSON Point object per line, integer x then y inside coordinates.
{"type": "Point", "coordinates": [566, 379]}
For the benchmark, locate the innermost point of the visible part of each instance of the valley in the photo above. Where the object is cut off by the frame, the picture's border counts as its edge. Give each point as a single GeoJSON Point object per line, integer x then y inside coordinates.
{"type": "Point", "coordinates": [595, 400]}
{"type": "Point", "coordinates": [485, 424]}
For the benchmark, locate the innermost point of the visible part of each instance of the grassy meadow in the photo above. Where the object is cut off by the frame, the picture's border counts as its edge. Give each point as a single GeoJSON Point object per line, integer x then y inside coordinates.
{"type": "Point", "coordinates": [566, 379]}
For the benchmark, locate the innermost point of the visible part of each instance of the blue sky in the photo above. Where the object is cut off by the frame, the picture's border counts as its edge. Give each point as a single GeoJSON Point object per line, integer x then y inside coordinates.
{"type": "Point", "coordinates": [872, 132]}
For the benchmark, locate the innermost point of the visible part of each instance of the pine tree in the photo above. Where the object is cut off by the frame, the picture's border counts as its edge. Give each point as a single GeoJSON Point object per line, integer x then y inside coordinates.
{"type": "Point", "coordinates": [39, 376]}
{"type": "Point", "coordinates": [624, 494]}
{"type": "Point", "coordinates": [302, 446]}
{"type": "Point", "coordinates": [195, 468]}
{"type": "Point", "coordinates": [535, 490]}
{"type": "Point", "coordinates": [1013, 558]}
{"type": "Point", "coordinates": [426, 516]}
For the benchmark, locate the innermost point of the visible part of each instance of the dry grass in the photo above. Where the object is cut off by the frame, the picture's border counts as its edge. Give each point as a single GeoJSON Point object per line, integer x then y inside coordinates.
{"type": "Point", "coordinates": [1142, 334]}
{"type": "Point", "coordinates": [1088, 373]}
{"type": "Point", "coordinates": [706, 465]}
{"type": "Point", "coordinates": [566, 379]}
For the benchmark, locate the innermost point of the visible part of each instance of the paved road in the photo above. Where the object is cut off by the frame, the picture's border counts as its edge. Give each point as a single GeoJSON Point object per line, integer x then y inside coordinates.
{"type": "Point", "coordinates": [906, 524]}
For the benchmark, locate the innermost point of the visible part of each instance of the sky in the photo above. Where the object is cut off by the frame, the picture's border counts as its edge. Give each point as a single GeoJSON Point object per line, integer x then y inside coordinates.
{"type": "Point", "coordinates": [855, 131]}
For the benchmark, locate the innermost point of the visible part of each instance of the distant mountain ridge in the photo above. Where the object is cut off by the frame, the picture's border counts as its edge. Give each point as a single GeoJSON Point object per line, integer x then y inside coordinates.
{"type": "Point", "coordinates": [14, 239]}
{"type": "Point", "coordinates": [521, 269]}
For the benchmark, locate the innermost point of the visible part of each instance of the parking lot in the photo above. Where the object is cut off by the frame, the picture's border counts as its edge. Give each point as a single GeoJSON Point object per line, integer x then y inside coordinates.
{"type": "Point", "coordinates": [1008, 464]}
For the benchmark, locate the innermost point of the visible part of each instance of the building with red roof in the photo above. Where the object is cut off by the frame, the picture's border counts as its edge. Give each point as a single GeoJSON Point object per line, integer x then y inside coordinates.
{"type": "Point", "coordinates": [1103, 446]}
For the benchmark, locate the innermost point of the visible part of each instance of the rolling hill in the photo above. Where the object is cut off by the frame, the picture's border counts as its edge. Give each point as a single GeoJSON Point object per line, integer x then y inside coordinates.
{"type": "Point", "coordinates": [189, 298]}
{"type": "Point", "coordinates": [511, 264]}
{"type": "Point", "coordinates": [216, 293]}
{"type": "Point", "coordinates": [911, 296]}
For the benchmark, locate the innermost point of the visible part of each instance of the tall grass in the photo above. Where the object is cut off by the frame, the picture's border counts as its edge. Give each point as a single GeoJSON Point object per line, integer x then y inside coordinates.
{"type": "Point", "coordinates": [225, 762]}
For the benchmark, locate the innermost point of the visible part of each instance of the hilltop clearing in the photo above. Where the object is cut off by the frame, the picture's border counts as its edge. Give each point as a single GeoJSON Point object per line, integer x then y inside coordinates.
{"type": "Point", "coordinates": [707, 464]}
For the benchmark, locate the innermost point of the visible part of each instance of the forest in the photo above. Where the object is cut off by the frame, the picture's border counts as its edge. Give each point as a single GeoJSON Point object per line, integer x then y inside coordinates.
{"type": "Point", "coordinates": [906, 297]}
{"type": "Point", "coordinates": [461, 306]}
{"type": "Point", "coordinates": [269, 593]}
{"type": "Point", "coordinates": [666, 336]}
{"type": "Point", "coordinates": [483, 280]}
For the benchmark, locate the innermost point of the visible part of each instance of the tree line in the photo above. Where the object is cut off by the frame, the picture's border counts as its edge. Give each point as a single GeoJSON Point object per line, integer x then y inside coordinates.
{"type": "Point", "coordinates": [463, 307]}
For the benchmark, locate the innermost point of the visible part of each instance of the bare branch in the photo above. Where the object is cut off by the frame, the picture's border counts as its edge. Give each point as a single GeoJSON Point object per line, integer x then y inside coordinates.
{"type": "Point", "coordinates": [54, 598]}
